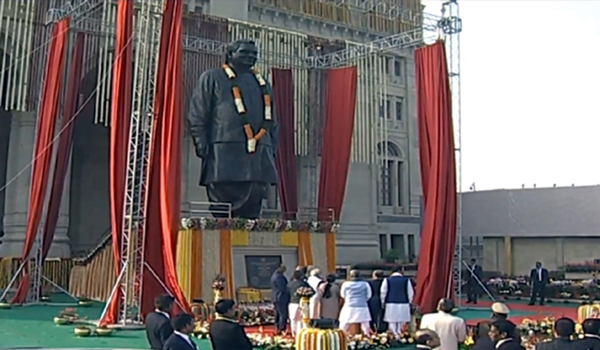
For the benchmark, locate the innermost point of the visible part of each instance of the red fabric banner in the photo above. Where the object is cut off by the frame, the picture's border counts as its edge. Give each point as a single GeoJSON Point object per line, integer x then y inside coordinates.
{"type": "Point", "coordinates": [287, 173]}
{"type": "Point", "coordinates": [46, 127]}
{"type": "Point", "coordinates": [340, 105]}
{"type": "Point", "coordinates": [164, 201]}
{"type": "Point", "coordinates": [65, 142]}
{"type": "Point", "coordinates": [438, 175]}
{"type": "Point", "coordinates": [119, 135]}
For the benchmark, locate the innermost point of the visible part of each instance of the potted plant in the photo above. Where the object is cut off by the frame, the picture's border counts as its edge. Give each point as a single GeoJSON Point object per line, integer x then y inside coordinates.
{"type": "Point", "coordinates": [83, 331]}
{"type": "Point", "coordinates": [103, 331]}
{"type": "Point", "coordinates": [61, 321]}
{"type": "Point", "coordinates": [85, 302]}
{"type": "Point", "coordinates": [4, 304]}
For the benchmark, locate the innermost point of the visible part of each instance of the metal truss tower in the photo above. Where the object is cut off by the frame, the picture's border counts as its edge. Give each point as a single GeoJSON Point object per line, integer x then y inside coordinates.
{"type": "Point", "coordinates": [133, 235]}
{"type": "Point", "coordinates": [451, 26]}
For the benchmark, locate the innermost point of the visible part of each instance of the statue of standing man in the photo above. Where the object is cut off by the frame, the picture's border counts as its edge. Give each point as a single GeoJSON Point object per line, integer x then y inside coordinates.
{"type": "Point", "coordinates": [232, 124]}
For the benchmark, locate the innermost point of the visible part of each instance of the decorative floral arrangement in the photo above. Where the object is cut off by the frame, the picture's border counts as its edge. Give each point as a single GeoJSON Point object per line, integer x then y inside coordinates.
{"type": "Point", "coordinates": [219, 283]}
{"type": "Point", "coordinates": [263, 225]}
{"type": "Point", "coordinates": [201, 329]}
{"type": "Point", "coordinates": [256, 313]}
{"type": "Point", "coordinates": [70, 314]}
{"type": "Point", "coordinates": [263, 341]}
{"type": "Point", "coordinates": [305, 292]}
{"type": "Point", "coordinates": [583, 291]}
{"type": "Point", "coordinates": [357, 342]}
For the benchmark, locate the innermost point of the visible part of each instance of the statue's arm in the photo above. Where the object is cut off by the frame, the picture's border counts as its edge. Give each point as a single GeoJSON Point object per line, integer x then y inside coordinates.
{"type": "Point", "coordinates": [200, 113]}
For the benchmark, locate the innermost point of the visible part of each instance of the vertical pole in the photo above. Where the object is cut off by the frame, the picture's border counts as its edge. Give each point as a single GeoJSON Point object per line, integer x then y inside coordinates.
{"type": "Point", "coordinates": [451, 25]}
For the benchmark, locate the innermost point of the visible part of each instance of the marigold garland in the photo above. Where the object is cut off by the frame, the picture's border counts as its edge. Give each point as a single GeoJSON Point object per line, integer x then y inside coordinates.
{"type": "Point", "coordinates": [239, 104]}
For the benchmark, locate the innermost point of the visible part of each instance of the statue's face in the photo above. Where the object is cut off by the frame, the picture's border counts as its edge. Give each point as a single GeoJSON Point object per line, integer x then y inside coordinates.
{"type": "Point", "coordinates": [244, 56]}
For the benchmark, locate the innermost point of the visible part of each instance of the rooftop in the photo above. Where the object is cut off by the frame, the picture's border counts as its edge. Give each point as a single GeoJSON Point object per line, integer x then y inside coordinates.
{"type": "Point", "coordinates": [549, 212]}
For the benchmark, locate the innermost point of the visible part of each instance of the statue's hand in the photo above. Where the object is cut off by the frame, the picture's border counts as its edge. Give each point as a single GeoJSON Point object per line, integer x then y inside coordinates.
{"type": "Point", "coordinates": [251, 146]}
{"type": "Point", "coordinates": [201, 151]}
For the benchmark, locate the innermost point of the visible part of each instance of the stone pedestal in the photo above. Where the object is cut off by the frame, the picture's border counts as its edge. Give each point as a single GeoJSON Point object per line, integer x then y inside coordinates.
{"type": "Point", "coordinates": [20, 155]}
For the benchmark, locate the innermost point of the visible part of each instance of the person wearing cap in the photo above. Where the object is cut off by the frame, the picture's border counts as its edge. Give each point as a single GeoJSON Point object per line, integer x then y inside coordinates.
{"type": "Point", "coordinates": [499, 311]}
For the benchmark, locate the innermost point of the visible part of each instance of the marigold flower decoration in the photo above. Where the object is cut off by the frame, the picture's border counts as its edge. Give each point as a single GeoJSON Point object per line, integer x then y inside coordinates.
{"type": "Point", "coordinates": [305, 292]}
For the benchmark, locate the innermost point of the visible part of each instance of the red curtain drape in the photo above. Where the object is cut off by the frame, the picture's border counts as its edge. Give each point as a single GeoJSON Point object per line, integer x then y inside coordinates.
{"type": "Point", "coordinates": [283, 95]}
{"type": "Point", "coordinates": [65, 142]}
{"type": "Point", "coordinates": [119, 134]}
{"type": "Point", "coordinates": [436, 149]}
{"type": "Point", "coordinates": [340, 104]}
{"type": "Point", "coordinates": [165, 188]}
{"type": "Point", "coordinates": [46, 127]}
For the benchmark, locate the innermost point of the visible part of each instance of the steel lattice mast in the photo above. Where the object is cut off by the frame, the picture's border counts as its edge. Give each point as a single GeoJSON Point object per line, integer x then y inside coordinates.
{"type": "Point", "coordinates": [130, 279]}
{"type": "Point", "coordinates": [451, 25]}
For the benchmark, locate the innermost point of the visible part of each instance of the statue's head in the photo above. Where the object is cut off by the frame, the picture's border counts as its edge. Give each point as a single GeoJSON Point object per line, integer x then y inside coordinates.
{"type": "Point", "coordinates": [242, 54]}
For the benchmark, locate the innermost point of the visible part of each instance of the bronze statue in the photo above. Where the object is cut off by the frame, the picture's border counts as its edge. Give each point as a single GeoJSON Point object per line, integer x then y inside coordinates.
{"type": "Point", "coordinates": [233, 126]}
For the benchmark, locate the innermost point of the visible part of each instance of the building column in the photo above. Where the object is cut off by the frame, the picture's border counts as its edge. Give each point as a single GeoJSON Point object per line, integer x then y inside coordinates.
{"type": "Point", "coordinates": [508, 250]}
{"type": "Point", "coordinates": [61, 247]}
{"type": "Point", "coordinates": [20, 155]}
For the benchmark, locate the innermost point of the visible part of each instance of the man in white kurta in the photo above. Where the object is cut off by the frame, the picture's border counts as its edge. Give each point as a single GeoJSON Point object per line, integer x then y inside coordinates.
{"type": "Point", "coordinates": [313, 281]}
{"type": "Point", "coordinates": [356, 294]}
{"type": "Point", "coordinates": [396, 296]}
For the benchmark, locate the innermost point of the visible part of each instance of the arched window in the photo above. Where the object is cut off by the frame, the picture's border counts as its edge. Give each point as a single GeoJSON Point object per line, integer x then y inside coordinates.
{"type": "Point", "coordinates": [391, 182]}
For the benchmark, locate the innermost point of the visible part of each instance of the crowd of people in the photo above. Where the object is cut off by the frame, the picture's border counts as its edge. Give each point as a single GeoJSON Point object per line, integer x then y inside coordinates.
{"type": "Point", "coordinates": [164, 333]}
{"type": "Point", "coordinates": [377, 305]}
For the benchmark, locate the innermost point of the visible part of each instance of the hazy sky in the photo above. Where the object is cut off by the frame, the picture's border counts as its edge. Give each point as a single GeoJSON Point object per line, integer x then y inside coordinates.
{"type": "Point", "coordinates": [530, 74]}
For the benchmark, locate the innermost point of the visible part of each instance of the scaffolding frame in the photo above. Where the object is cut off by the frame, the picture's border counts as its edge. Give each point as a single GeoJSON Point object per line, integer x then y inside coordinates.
{"type": "Point", "coordinates": [451, 26]}
{"type": "Point", "coordinates": [129, 283]}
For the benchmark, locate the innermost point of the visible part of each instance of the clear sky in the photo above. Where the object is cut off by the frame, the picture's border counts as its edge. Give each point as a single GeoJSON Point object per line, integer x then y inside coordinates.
{"type": "Point", "coordinates": [530, 74]}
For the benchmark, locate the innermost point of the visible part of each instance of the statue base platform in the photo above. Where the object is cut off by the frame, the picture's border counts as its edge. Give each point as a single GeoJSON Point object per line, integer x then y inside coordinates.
{"type": "Point", "coordinates": [247, 252]}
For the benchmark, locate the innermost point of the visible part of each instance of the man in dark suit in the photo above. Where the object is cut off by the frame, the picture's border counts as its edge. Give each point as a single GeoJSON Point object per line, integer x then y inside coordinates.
{"type": "Point", "coordinates": [225, 332]}
{"type": "Point", "coordinates": [591, 338]}
{"type": "Point", "coordinates": [501, 333]}
{"type": "Point", "coordinates": [564, 328]}
{"type": "Point", "coordinates": [158, 323]}
{"type": "Point", "coordinates": [538, 279]}
{"type": "Point", "coordinates": [180, 339]}
{"type": "Point", "coordinates": [375, 308]}
{"type": "Point", "coordinates": [473, 280]}
{"type": "Point", "coordinates": [281, 298]}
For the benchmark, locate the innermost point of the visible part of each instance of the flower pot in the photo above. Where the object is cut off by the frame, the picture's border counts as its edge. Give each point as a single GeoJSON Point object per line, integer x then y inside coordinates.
{"type": "Point", "coordinates": [83, 331]}
{"type": "Point", "coordinates": [61, 321]}
{"type": "Point", "coordinates": [45, 299]}
{"type": "Point", "coordinates": [5, 306]}
{"type": "Point", "coordinates": [104, 332]}
{"type": "Point", "coordinates": [85, 303]}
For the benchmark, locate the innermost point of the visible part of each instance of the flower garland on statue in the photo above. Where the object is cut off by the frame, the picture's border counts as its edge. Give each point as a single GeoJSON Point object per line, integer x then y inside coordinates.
{"type": "Point", "coordinates": [241, 109]}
